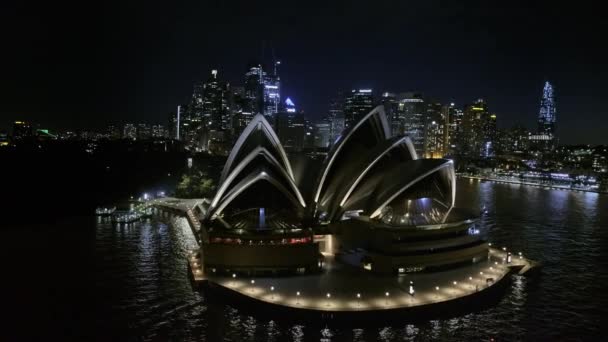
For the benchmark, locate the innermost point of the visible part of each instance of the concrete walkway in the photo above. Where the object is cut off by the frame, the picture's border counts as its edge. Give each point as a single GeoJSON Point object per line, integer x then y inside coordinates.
{"type": "Point", "coordinates": [341, 288]}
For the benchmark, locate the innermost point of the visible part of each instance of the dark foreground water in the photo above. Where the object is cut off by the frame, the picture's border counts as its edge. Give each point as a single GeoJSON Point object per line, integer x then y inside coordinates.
{"type": "Point", "coordinates": [86, 280]}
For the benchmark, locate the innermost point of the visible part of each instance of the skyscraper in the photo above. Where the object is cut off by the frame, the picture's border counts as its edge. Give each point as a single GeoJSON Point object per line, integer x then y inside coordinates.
{"type": "Point", "coordinates": [453, 123]}
{"type": "Point", "coordinates": [215, 107]}
{"type": "Point", "coordinates": [410, 119]}
{"type": "Point", "coordinates": [291, 127]}
{"type": "Point", "coordinates": [254, 89]}
{"type": "Point", "coordinates": [545, 139]}
{"type": "Point", "coordinates": [478, 130]}
{"type": "Point", "coordinates": [546, 115]}
{"type": "Point", "coordinates": [335, 117]}
{"type": "Point", "coordinates": [272, 92]}
{"type": "Point", "coordinates": [356, 105]}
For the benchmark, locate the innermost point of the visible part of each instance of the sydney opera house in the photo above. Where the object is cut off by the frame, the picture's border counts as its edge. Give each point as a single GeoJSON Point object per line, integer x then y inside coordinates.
{"type": "Point", "coordinates": [372, 204]}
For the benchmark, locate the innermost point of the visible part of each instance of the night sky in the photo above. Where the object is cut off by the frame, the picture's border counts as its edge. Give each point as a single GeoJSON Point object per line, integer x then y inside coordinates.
{"type": "Point", "coordinates": [89, 64]}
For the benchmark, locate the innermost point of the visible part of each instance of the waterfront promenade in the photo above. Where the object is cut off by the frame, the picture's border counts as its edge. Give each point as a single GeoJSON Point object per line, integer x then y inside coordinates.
{"type": "Point", "coordinates": [340, 288]}
{"type": "Point", "coordinates": [343, 288]}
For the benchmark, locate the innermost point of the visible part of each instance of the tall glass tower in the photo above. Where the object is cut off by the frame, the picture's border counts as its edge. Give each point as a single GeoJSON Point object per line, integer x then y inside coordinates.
{"type": "Point", "coordinates": [546, 115]}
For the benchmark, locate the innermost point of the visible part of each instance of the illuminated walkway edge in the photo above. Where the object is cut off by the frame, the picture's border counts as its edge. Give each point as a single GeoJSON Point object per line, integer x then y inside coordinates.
{"type": "Point", "coordinates": [349, 291]}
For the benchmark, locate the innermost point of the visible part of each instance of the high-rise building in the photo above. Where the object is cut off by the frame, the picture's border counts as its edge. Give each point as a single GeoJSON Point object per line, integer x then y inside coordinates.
{"type": "Point", "coordinates": [215, 104]}
{"type": "Point", "coordinates": [479, 130]}
{"type": "Point", "coordinates": [545, 139]}
{"type": "Point", "coordinates": [129, 131]}
{"type": "Point", "coordinates": [291, 127]}
{"type": "Point", "coordinates": [335, 117]}
{"type": "Point", "coordinates": [358, 103]}
{"type": "Point", "coordinates": [322, 134]}
{"type": "Point", "coordinates": [391, 109]}
{"type": "Point", "coordinates": [254, 89]}
{"type": "Point", "coordinates": [434, 131]}
{"type": "Point", "coordinates": [453, 128]}
{"type": "Point", "coordinates": [272, 92]}
{"type": "Point", "coordinates": [411, 119]}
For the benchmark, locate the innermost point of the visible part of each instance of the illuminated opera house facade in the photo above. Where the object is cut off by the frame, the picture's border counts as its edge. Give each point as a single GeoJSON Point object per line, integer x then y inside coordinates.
{"type": "Point", "coordinates": [372, 203]}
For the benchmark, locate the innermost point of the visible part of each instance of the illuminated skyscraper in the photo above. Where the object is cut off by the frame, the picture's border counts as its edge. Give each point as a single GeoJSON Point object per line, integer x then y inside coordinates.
{"type": "Point", "coordinates": [272, 92]}
{"type": "Point", "coordinates": [410, 119]}
{"type": "Point", "coordinates": [545, 139]}
{"type": "Point", "coordinates": [215, 107]}
{"type": "Point", "coordinates": [546, 115]}
{"type": "Point", "coordinates": [291, 127]}
{"type": "Point", "coordinates": [357, 104]}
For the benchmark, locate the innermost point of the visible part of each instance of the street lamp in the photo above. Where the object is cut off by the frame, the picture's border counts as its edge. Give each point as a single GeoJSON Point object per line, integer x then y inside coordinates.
{"type": "Point", "coordinates": [328, 297]}
{"type": "Point", "coordinates": [386, 294]}
{"type": "Point", "coordinates": [411, 291]}
{"type": "Point", "coordinates": [252, 283]}
{"type": "Point", "coordinates": [298, 297]}
{"type": "Point", "coordinates": [272, 290]}
{"type": "Point", "coordinates": [358, 299]}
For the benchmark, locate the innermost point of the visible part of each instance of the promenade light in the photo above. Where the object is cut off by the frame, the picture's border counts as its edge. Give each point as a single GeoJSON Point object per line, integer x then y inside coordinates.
{"type": "Point", "coordinates": [358, 295]}
{"type": "Point", "coordinates": [481, 273]}
{"type": "Point", "coordinates": [411, 290]}
{"type": "Point", "coordinates": [437, 288]}
{"type": "Point", "coordinates": [328, 295]}
{"type": "Point", "coordinates": [298, 297]}
{"type": "Point", "coordinates": [272, 290]}
{"type": "Point", "coordinates": [252, 281]}
{"type": "Point", "coordinates": [455, 282]}
{"type": "Point", "coordinates": [386, 294]}
{"type": "Point", "coordinates": [470, 278]}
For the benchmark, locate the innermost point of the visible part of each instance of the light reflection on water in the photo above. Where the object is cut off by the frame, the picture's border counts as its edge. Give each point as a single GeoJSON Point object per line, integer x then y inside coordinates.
{"type": "Point", "coordinates": [144, 266]}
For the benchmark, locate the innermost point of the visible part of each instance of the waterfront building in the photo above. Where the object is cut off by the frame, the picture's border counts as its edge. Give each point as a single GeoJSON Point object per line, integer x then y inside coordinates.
{"type": "Point", "coordinates": [358, 103]}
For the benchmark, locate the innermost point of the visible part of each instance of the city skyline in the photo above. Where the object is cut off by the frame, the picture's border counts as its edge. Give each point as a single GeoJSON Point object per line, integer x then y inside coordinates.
{"type": "Point", "coordinates": [102, 73]}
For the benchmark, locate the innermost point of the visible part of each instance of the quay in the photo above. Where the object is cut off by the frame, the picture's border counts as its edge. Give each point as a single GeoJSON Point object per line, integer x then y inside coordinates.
{"type": "Point", "coordinates": [343, 289]}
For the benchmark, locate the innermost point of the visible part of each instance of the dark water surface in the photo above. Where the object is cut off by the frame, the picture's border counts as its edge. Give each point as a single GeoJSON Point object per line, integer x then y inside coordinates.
{"type": "Point", "coordinates": [89, 280]}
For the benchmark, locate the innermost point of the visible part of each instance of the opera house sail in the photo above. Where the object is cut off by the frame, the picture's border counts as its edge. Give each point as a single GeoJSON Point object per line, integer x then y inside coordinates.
{"type": "Point", "coordinates": [374, 205]}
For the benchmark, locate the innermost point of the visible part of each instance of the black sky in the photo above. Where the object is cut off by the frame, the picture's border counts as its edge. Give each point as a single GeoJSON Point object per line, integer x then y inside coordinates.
{"type": "Point", "coordinates": [86, 65]}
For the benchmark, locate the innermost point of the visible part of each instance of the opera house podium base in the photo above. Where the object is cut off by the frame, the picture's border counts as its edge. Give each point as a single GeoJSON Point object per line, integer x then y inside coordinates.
{"type": "Point", "coordinates": [340, 289]}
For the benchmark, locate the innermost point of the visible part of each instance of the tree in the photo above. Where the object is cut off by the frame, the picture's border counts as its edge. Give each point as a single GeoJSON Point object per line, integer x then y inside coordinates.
{"type": "Point", "coordinates": [196, 184]}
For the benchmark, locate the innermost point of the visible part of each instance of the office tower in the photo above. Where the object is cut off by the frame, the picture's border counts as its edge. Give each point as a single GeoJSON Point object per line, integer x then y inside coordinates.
{"type": "Point", "coordinates": [358, 103]}
{"type": "Point", "coordinates": [335, 117]}
{"type": "Point", "coordinates": [391, 109]}
{"type": "Point", "coordinates": [272, 92]}
{"type": "Point", "coordinates": [434, 131]}
{"type": "Point", "coordinates": [291, 127]}
{"type": "Point", "coordinates": [322, 133]}
{"type": "Point", "coordinates": [545, 138]}
{"type": "Point", "coordinates": [254, 89]}
{"type": "Point", "coordinates": [215, 103]}
{"type": "Point", "coordinates": [479, 130]}
{"type": "Point", "coordinates": [453, 125]}
{"type": "Point", "coordinates": [411, 119]}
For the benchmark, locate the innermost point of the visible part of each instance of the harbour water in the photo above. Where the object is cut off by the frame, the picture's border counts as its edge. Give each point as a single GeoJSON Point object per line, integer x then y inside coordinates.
{"type": "Point", "coordinates": [90, 279]}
